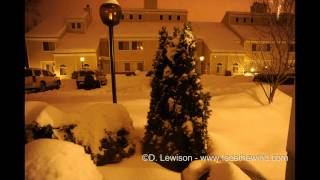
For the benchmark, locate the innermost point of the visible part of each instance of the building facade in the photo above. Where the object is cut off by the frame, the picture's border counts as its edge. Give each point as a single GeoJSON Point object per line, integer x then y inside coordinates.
{"type": "Point", "coordinates": [66, 43]}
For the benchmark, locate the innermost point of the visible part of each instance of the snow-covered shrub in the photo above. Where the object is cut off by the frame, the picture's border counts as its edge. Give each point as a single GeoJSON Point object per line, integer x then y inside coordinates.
{"type": "Point", "coordinates": [45, 121]}
{"type": "Point", "coordinates": [52, 159]}
{"type": "Point", "coordinates": [179, 108]}
{"type": "Point", "coordinates": [104, 130]}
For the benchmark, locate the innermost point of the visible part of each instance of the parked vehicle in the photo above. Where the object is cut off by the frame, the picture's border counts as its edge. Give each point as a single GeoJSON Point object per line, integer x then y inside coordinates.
{"type": "Point", "coordinates": [86, 78]}
{"type": "Point", "coordinates": [40, 79]}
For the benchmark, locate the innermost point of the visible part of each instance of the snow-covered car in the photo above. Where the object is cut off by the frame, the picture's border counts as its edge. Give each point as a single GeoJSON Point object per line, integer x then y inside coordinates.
{"type": "Point", "coordinates": [90, 79]}
{"type": "Point", "coordinates": [40, 79]}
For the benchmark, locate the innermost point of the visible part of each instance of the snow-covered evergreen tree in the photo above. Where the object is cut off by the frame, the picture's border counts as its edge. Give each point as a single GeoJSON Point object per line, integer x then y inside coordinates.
{"type": "Point", "coordinates": [177, 119]}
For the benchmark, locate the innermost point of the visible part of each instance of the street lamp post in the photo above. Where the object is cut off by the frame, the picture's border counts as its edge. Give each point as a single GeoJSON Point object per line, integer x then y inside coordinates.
{"type": "Point", "coordinates": [201, 58]}
{"type": "Point", "coordinates": [110, 14]}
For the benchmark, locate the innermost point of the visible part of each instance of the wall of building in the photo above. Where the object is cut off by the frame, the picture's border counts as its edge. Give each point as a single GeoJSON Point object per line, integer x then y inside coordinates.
{"type": "Point", "coordinates": [36, 54]}
{"type": "Point", "coordinates": [72, 62]}
{"type": "Point", "coordinates": [134, 56]}
{"type": "Point", "coordinates": [154, 16]}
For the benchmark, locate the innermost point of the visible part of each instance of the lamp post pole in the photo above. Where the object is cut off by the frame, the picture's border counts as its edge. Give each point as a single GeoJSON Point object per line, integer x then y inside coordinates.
{"type": "Point", "coordinates": [113, 79]}
{"type": "Point", "coordinates": [110, 14]}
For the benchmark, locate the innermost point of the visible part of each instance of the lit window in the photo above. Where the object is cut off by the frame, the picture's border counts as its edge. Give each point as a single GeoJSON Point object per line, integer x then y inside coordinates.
{"type": "Point", "coordinates": [137, 45]}
{"type": "Point", "coordinates": [48, 46]}
{"type": "Point", "coordinates": [140, 66]}
{"type": "Point", "coordinates": [123, 45]}
{"type": "Point", "coordinates": [63, 69]}
{"type": "Point", "coordinates": [235, 68]}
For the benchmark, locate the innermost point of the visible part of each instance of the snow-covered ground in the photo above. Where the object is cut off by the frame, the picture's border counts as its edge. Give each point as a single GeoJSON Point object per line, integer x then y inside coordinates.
{"type": "Point", "coordinates": [242, 123]}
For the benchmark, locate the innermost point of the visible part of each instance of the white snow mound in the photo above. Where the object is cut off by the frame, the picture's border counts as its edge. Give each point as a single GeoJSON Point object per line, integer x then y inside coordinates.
{"type": "Point", "coordinates": [217, 171]}
{"type": "Point", "coordinates": [52, 159]}
{"type": "Point", "coordinates": [32, 110]}
{"type": "Point", "coordinates": [98, 118]}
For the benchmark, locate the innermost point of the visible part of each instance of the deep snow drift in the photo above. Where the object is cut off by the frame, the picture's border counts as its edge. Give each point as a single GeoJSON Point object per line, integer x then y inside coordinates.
{"type": "Point", "coordinates": [242, 122]}
{"type": "Point", "coordinates": [52, 159]}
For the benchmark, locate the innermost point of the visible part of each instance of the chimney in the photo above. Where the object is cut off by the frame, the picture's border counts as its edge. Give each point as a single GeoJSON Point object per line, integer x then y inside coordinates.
{"type": "Point", "coordinates": [151, 4]}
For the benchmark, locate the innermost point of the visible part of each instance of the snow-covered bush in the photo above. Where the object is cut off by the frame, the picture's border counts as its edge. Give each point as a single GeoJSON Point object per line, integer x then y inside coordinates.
{"type": "Point", "coordinates": [104, 130]}
{"type": "Point", "coordinates": [52, 159]}
{"type": "Point", "coordinates": [214, 171]}
{"type": "Point", "coordinates": [179, 108]}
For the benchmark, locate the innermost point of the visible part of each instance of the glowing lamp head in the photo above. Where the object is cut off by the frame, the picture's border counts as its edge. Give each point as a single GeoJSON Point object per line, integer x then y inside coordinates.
{"type": "Point", "coordinates": [110, 12]}
{"type": "Point", "coordinates": [252, 69]}
{"type": "Point", "coordinates": [201, 58]}
{"type": "Point", "coordinates": [82, 59]}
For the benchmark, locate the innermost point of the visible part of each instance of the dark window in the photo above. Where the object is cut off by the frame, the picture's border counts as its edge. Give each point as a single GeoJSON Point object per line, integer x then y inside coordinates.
{"type": "Point", "coordinates": [137, 45]}
{"type": "Point", "coordinates": [254, 47]}
{"type": "Point", "coordinates": [126, 66]}
{"type": "Point", "coordinates": [122, 16]}
{"type": "Point", "coordinates": [237, 19]}
{"type": "Point", "coordinates": [170, 17]}
{"type": "Point", "coordinates": [123, 45]}
{"type": "Point", "coordinates": [292, 48]}
{"type": "Point", "coordinates": [140, 67]}
{"type": "Point", "coordinates": [78, 25]}
{"type": "Point", "coordinates": [161, 17]}
{"type": "Point", "coordinates": [140, 16]}
{"type": "Point", "coordinates": [268, 47]}
{"type": "Point", "coordinates": [37, 72]}
{"type": "Point", "coordinates": [219, 66]}
{"type": "Point", "coordinates": [28, 72]}
{"type": "Point", "coordinates": [131, 16]}
{"type": "Point", "coordinates": [45, 73]}
{"type": "Point", "coordinates": [244, 20]}
{"type": "Point", "coordinates": [48, 46]}
{"type": "Point", "coordinates": [178, 18]}
{"type": "Point", "coordinates": [73, 25]}
{"type": "Point", "coordinates": [251, 20]}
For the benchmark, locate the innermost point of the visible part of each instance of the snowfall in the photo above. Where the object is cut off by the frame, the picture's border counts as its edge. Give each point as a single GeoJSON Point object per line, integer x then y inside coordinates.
{"type": "Point", "coordinates": [242, 123]}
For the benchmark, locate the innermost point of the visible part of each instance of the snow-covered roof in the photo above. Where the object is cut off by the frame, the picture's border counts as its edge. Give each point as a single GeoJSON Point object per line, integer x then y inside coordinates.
{"type": "Point", "coordinates": [81, 42]}
{"type": "Point", "coordinates": [248, 32]}
{"type": "Point", "coordinates": [217, 37]}
{"type": "Point", "coordinates": [52, 27]}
